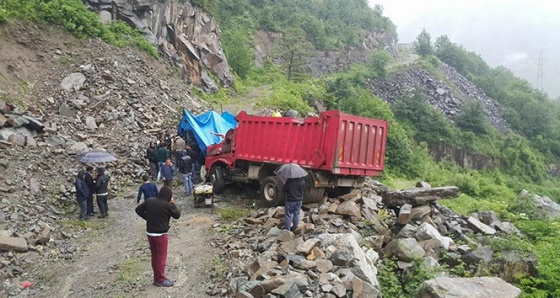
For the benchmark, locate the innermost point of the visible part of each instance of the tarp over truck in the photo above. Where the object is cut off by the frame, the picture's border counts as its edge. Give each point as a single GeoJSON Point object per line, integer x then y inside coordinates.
{"type": "Point", "coordinates": [203, 125]}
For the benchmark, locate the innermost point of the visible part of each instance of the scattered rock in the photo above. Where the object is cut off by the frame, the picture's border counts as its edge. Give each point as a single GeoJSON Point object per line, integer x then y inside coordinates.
{"type": "Point", "coordinates": [479, 227]}
{"type": "Point", "coordinates": [406, 249]}
{"type": "Point", "coordinates": [73, 81]}
{"type": "Point", "coordinates": [476, 287]}
{"type": "Point", "coordinates": [17, 244]}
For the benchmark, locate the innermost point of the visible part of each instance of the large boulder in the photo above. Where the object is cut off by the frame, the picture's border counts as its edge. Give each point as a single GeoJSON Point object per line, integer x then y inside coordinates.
{"type": "Point", "coordinates": [363, 266]}
{"type": "Point", "coordinates": [513, 265]}
{"type": "Point", "coordinates": [349, 208]}
{"type": "Point", "coordinates": [545, 208]}
{"type": "Point", "coordinates": [476, 287]}
{"type": "Point", "coordinates": [427, 232]}
{"type": "Point", "coordinates": [406, 250]}
{"type": "Point", "coordinates": [13, 244]}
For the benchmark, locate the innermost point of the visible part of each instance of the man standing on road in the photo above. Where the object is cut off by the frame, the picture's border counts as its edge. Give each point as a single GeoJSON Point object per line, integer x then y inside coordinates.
{"type": "Point", "coordinates": [82, 193]}
{"type": "Point", "coordinates": [294, 197]}
{"type": "Point", "coordinates": [162, 155]}
{"type": "Point", "coordinates": [91, 187]}
{"type": "Point", "coordinates": [102, 189]}
{"type": "Point", "coordinates": [185, 168]}
{"type": "Point", "coordinates": [151, 155]}
{"type": "Point", "coordinates": [167, 170]}
{"type": "Point", "coordinates": [157, 212]}
{"type": "Point", "coordinates": [148, 189]}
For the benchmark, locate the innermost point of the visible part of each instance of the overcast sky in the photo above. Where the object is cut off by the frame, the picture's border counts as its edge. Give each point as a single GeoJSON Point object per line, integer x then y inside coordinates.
{"type": "Point", "coordinates": [503, 32]}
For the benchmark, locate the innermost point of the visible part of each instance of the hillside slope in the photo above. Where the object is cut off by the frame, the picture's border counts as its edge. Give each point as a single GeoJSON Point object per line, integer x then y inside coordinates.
{"type": "Point", "coordinates": [121, 99]}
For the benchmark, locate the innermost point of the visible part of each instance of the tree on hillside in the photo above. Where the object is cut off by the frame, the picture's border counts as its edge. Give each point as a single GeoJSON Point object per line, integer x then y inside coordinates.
{"type": "Point", "coordinates": [472, 117]}
{"type": "Point", "coordinates": [378, 61]}
{"type": "Point", "coordinates": [423, 44]}
{"type": "Point", "coordinates": [414, 109]}
{"type": "Point", "coordinates": [295, 50]}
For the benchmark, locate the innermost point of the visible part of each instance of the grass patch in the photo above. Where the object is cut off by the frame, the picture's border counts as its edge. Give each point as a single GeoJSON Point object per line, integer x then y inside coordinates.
{"type": "Point", "coordinates": [232, 214]}
{"type": "Point", "coordinates": [131, 271]}
{"type": "Point", "coordinates": [465, 205]}
{"type": "Point", "coordinates": [219, 266]}
{"type": "Point", "coordinates": [85, 225]}
{"type": "Point", "coordinates": [16, 101]}
{"type": "Point", "coordinates": [48, 276]}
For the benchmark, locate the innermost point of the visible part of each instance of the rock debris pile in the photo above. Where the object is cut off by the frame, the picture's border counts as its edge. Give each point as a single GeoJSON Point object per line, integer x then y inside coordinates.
{"type": "Point", "coordinates": [108, 99]}
{"type": "Point", "coordinates": [447, 97]}
{"type": "Point", "coordinates": [336, 248]}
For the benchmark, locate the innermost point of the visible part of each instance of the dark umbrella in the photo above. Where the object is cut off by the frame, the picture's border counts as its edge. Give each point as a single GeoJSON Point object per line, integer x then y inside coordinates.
{"type": "Point", "coordinates": [95, 157]}
{"type": "Point", "coordinates": [290, 170]}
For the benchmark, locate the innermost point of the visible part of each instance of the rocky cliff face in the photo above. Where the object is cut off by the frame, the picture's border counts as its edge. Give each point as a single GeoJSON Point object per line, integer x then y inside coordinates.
{"type": "Point", "coordinates": [324, 62]}
{"type": "Point", "coordinates": [187, 35]}
{"type": "Point", "coordinates": [463, 157]}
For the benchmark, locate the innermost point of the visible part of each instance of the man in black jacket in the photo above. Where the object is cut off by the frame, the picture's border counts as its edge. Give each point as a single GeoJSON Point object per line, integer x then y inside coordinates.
{"type": "Point", "coordinates": [82, 193]}
{"type": "Point", "coordinates": [185, 168]}
{"type": "Point", "coordinates": [102, 189]}
{"type": "Point", "coordinates": [151, 155]}
{"type": "Point", "coordinates": [293, 189]}
{"type": "Point", "coordinates": [157, 212]}
{"type": "Point", "coordinates": [88, 178]}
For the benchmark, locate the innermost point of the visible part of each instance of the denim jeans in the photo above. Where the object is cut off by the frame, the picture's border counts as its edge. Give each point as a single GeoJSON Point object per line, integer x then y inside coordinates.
{"type": "Point", "coordinates": [83, 208]}
{"type": "Point", "coordinates": [291, 218]}
{"type": "Point", "coordinates": [188, 183]}
{"type": "Point", "coordinates": [160, 164]}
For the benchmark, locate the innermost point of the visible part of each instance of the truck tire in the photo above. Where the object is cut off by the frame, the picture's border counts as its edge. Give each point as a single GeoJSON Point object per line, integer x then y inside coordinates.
{"type": "Point", "coordinates": [272, 191]}
{"type": "Point", "coordinates": [313, 194]}
{"type": "Point", "coordinates": [217, 177]}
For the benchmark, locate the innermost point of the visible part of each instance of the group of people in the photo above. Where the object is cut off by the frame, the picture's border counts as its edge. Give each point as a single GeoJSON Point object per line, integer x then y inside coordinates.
{"type": "Point", "coordinates": [186, 161]}
{"type": "Point", "coordinates": [158, 206]}
{"type": "Point", "coordinates": [87, 186]}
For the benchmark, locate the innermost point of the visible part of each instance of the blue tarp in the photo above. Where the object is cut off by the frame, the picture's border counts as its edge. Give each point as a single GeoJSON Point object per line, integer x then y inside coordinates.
{"type": "Point", "coordinates": [203, 125]}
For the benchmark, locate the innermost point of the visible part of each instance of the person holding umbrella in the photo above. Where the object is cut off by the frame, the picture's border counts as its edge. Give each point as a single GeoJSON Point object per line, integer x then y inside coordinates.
{"type": "Point", "coordinates": [88, 178]}
{"type": "Point", "coordinates": [294, 175]}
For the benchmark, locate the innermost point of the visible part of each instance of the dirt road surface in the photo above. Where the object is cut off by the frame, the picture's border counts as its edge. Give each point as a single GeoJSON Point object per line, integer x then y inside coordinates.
{"type": "Point", "coordinates": [116, 262]}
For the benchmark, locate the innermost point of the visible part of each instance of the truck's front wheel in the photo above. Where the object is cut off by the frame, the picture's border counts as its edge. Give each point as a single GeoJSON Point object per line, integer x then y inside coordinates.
{"type": "Point", "coordinates": [218, 179]}
{"type": "Point", "coordinates": [272, 191]}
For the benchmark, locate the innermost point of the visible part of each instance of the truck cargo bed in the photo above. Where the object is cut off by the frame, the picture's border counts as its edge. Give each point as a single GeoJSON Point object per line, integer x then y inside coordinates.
{"type": "Point", "coordinates": [340, 143]}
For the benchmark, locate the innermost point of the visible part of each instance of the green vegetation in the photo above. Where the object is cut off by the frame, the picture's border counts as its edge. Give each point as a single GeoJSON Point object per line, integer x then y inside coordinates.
{"type": "Point", "coordinates": [523, 152]}
{"type": "Point", "coordinates": [131, 271]}
{"type": "Point", "coordinates": [76, 18]}
{"type": "Point", "coordinates": [423, 45]}
{"type": "Point", "coordinates": [232, 214]}
{"type": "Point", "coordinates": [529, 112]}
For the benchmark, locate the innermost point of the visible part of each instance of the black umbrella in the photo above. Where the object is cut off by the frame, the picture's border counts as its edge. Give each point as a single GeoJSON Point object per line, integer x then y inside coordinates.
{"type": "Point", "coordinates": [290, 170]}
{"type": "Point", "coordinates": [95, 157]}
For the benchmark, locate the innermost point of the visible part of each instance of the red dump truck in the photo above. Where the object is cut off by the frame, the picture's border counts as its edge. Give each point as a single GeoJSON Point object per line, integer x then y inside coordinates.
{"type": "Point", "coordinates": [338, 150]}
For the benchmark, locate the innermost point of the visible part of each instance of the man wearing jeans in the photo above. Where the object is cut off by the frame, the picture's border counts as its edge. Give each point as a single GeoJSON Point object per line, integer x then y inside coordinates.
{"type": "Point", "coordinates": [157, 212]}
{"type": "Point", "coordinates": [293, 189]}
{"type": "Point", "coordinates": [186, 167]}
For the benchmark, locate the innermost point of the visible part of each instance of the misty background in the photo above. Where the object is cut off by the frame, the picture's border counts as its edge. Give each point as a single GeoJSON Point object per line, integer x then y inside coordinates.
{"type": "Point", "coordinates": [503, 32]}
